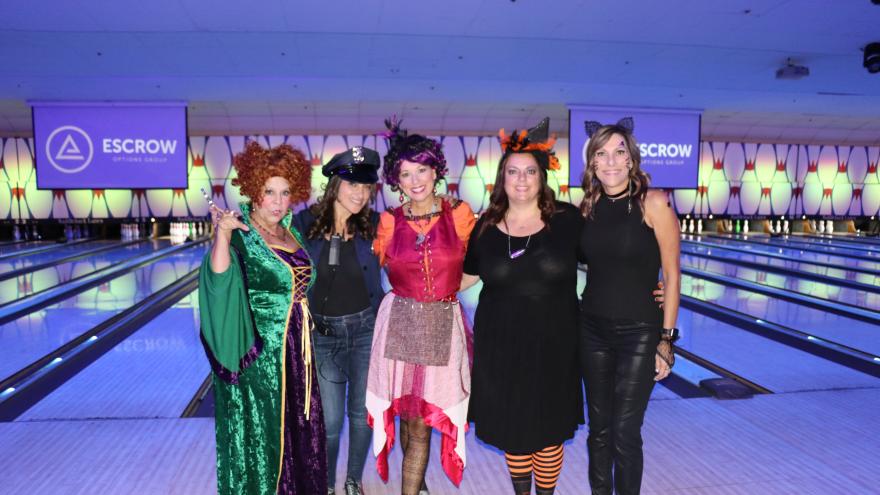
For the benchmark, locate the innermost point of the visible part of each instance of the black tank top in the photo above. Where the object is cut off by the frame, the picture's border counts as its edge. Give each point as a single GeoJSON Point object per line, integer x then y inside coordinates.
{"type": "Point", "coordinates": [340, 290]}
{"type": "Point", "coordinates": [623, 261]}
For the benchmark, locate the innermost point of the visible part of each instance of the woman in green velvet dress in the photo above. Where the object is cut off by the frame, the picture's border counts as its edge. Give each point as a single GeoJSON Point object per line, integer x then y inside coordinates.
{"type": "Point", "coordinates": [256, 330]}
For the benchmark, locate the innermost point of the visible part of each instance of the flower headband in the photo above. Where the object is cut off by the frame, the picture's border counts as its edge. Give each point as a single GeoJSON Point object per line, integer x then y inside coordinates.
{"type": "Point", "coordinates": [535, 139]}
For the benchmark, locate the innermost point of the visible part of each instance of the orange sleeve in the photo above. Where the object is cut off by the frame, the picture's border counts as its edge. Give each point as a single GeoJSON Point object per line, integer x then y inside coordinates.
{"type": "Point", "coordinates": [464, 219]}
{"type": "Point", "coordinates": [384, 232]}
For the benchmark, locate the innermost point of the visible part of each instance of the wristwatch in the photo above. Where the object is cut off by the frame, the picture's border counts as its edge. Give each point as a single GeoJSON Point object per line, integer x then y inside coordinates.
{"type": "Point", "coordinates": [670, 334]}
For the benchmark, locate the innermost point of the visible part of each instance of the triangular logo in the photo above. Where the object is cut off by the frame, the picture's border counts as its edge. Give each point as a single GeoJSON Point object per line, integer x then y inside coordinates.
{"type": "Point", "coordinates": [69, 150]}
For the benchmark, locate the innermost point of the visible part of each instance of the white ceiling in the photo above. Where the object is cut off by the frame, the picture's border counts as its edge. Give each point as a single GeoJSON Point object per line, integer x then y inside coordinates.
{"type": "Point", "coordinates": [457, 66]}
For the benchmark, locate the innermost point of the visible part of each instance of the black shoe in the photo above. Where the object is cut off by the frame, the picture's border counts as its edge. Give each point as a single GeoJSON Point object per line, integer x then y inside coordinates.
{"type": "Point", "coordinates": [353, 487]}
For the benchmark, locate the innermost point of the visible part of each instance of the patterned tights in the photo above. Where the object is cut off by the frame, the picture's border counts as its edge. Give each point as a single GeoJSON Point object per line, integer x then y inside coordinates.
{"type": "Point", "coordinates": [546, 465]}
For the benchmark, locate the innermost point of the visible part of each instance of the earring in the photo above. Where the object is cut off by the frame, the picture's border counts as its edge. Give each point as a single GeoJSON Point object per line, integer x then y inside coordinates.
{"type": "Point", "coordinates": [629, 205]}
{"type": "Point", "coordinates": [401, 196]}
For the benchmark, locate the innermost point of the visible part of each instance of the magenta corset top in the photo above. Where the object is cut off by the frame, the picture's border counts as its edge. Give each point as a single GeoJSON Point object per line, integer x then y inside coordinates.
{"type": "Point", "coordinates": [429, 270]}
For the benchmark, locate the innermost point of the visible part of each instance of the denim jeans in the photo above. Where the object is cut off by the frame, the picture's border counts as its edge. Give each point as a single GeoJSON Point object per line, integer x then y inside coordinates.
{"type": "Point", "coordinates": [343, 360]}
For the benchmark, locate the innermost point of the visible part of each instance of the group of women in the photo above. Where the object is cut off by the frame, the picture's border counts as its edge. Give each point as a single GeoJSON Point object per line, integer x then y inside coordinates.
{"type": "Point", "coordinates": [298, 330]}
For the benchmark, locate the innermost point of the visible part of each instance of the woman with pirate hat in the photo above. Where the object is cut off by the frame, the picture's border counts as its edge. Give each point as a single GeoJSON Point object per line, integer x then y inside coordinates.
{"type": "Point", "coordinates": [630, 235]}
{"type": "Point", "coordinates": [526, 384]}
{"type": "Point", "coordinates": [339, 231]}
{"type": "Point", "coordinates": [419, 370]}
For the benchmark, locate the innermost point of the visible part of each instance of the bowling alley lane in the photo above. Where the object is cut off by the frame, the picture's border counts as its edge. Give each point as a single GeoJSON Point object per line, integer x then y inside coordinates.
{"type": "Point", "coordinates": [47, 278]}
{"type": "Point", "coordinates": [32, 336]}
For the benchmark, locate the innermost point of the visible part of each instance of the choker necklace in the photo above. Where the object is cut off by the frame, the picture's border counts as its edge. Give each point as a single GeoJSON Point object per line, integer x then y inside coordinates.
{"type": "Point", "coordinates": [519, 252]}
{"type": "Point", "coordinates": [615, 197]}
{"type": "Point", "coordinates": [626, 193]}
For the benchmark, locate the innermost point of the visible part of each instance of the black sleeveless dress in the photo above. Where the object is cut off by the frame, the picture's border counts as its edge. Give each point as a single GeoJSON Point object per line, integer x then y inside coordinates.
{"type": "Point", "coordinates": [526, 391]}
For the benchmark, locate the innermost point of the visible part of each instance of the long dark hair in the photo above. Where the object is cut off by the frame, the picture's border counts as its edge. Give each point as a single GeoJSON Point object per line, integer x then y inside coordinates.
{"type": "Point", "coordinates": [639, 181]}
{"type": "Point", "coordinates": [359, 224]}
{"type": "Point", "coordinates": [498, 202]}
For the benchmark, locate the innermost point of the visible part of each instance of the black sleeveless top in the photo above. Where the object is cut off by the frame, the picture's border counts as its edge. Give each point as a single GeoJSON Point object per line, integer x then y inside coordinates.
{"type": "Point", "coordinates": [339, 290]}
{"type": "Point", "coordinates": [623, 262]}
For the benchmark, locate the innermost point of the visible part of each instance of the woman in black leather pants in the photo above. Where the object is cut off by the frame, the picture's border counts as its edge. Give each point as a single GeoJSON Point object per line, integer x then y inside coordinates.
{"type": "Point", "coordinates": [626, 340]}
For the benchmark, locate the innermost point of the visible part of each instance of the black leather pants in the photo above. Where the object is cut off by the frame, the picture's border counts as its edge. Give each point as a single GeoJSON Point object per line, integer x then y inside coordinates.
{"type": "Point", "coordinates": [617, 360]}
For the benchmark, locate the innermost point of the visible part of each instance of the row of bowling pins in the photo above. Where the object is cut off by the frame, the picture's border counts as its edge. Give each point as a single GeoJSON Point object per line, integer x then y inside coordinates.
{"type": "Point", "coordinates": [781, 227]}
{"type": "Point", "coordinates": [741, 226]}
{"type": "Point", "coordinates": [134, 231]}
{"type": "Point", "coordinates": [689, 226]}
{"type": "Point", "coordinates": [822, 227]}
{"type": "Point", "coordinates": [182, 230]}
{"type": "Point", "coordinates": [75, 231]}
{"type": "Point", "coordinates": [22, 232]}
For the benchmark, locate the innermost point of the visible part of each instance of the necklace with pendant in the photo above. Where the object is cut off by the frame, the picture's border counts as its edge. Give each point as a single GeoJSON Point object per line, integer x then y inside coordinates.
{"type": "Point", "coordinates": [519, 252]}
{"type": "Point", "coordinates": [266, 231]}
{"type": "Point", "coordinates": [614, 197]}
{"type": "Point", "coordinates": [421, 235]}
{"type": "Point", "coordinates": [626, 193]}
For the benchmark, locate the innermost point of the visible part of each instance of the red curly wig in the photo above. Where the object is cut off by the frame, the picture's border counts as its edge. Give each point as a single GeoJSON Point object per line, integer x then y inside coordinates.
{"type": "Point", "coordinates": [255, 165]}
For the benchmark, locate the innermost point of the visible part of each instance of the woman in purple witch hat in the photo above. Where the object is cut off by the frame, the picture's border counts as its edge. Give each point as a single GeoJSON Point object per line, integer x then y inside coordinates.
{"type": "Point", "coordinates": [419, 369]}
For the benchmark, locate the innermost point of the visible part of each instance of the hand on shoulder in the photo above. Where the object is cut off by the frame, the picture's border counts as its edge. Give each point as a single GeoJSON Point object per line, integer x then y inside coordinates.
{"type": "Point", "coordinates": [452, 201]}
{"type": "Point", "coordinates": [657, 206]}
{"type": "Point", "coordinates": [562, 206]}
{"type": "Point", "coordinates": [656, 199]}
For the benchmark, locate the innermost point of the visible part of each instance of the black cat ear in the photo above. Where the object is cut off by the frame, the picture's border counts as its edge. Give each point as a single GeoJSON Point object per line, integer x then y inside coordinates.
{"type": "Point", "coordinates": [591, 126]}
{"type": "Point", "coordinates": [627, 123]}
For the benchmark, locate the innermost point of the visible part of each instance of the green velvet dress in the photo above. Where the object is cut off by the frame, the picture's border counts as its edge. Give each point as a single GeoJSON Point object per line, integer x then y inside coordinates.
{"type": "Point", "coordinates": [256, 332]}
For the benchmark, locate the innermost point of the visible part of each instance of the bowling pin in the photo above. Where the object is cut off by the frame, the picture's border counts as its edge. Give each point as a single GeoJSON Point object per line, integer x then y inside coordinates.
{"type": "Point", "coordinates": [821, 226]}
{"type": "Point", "coordinates": [829, 226]}
{"type": "Point", "coordinates": [700, 226]}
{"type": "Point", "coordinates": [691, 226]}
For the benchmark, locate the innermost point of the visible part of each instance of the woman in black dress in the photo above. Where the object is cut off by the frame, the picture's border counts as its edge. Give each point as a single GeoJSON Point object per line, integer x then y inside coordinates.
{"type": "Point", "coordinates": [626, 340]}
{"type": "Point", "coordinates": [526, 394]}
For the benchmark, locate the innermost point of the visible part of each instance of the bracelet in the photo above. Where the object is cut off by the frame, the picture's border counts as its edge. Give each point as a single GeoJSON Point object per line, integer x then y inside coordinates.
{"type": "Point", "coordinates": [665, 360]}
{"type": "Point", "coordinates": [670, 334]}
